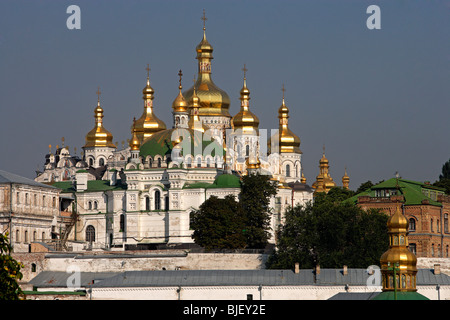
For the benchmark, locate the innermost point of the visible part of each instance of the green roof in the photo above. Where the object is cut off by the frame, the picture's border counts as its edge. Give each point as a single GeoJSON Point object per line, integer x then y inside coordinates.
{"type": "Point", "coordinates": [161, 143]}
{"type": "Point", "coordinates": [411, 190]}
{"type": "Point", "coordinates": [196, 185]}
{"type": "Point", "coordinates": [401, 295]}
{"type": "Point", "coordinates": [93, 185]}
{"type": "Point", "coordinates": [227, 181]}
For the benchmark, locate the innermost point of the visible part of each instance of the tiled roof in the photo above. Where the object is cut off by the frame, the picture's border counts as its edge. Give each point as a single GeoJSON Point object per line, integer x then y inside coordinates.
{"type": "Point", "coordinates": [8, 177]}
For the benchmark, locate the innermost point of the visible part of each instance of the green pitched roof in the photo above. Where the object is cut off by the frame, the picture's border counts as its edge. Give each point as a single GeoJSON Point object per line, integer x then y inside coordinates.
{"type": "Point", "coordinates": [227, 181]}
{"type": "Point", "coordinates": [401, 295]}
{"type": "Point", "coordinates": [161, 143]}
{"type": "Point", "coordinates": [93, 185]}
{"type": "Point", "coordinates": [411, 190]}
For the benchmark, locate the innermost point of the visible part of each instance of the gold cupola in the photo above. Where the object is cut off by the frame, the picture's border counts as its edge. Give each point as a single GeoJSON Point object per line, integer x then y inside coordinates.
{"type": "Point", "coordinates": [398, 263]}
{"type": "Point", "coordinates": [135, 144]}
{"type": "Point", "coordinates": [99, 136]}
{"type": "Point", "coordinates": [148, 123]}
{"type": "Point", "coordinates": [245, 122]}
{"type": "Point", "coordinates": [213, 100]}
{"type": "Point", "coordinates": [345, 180]}
{"type": "Point", "coordinates": [288, 141]}
{"type": "Point", "coordinates": [195, 123]}
{"type": "Point", "coordinates": [180, 104]}
{"type": "Point", "coordinates": [324, 182]}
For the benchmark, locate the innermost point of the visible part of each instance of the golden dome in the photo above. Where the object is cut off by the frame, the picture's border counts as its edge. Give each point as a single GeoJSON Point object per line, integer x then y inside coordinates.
{"type": "Point", "coordinates": [195, 123]}
{"type": "Point", "coordinates": [324, 182]}
{"type": "Point", "coordinates": [398, 256]}
{"type": "Point", "coordinates": [148, 123]}
{"type": "Point", "coordinates": [213, 100]}
{"type": "Point", "coordinates": [345, 180]}
{"type": "Point", "coordinates": [134, 142]}
{"type": "Point", "coordinates": [245, 120]}
{"type": "Point", "coordinates": [303, 179]}
{"type": "Point", "coordinates": [99, 136]}
{"type": "Point", "coordinates": [288, 141]}
{"type": "Point", "coordinates": [180, 104]}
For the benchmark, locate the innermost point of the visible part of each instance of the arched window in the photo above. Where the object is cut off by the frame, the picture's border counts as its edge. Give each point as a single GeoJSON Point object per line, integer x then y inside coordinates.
{"type": "Point", "coordinates": [33, 267]}
{"type": "Point", "coordinates": [34, 235]}
{"type": "Point", "coordinates": [90, 234]}
{"type": "Point", "coordinates": [101, 162]}
{"type": "Point", "coordinates": [412, 224]}
{"type": "Point", "coordinates": [17, 236]}
{"type": "Point", "coordinates": [95, 205]}
{"type": "Point", "coordinates": [437, 225]}
{"type": "Point", "coordinates": [166, 204]}
{"type": "Point", "coordinates": [446, 222]}
{"type": "Point", "coordinates": [247, 150]}
{"type": "Point", "coordinates": [288, 170]}
{"type": "Point", "coordinates": [147, 203]}
{"type": "Point", "coordinates": [157, 200]}
{"type": "Point", "coordinates": [26, 237]}
{"type": "Point", "coordinates": [431, 225]}
{"type": "Point", "coordinates": [17, 198]}
{"type": "Point", "coordinates": [89, 205]}
{"type": "Point", "coordinates": [122, 223]}
{"type": "Point", "coordinates": [26, 198]}
{"type": "Point", "coordinates": [189, 162]}
{"type": "Point", "coordinates": [432, 249]}
{"type": "Point", "coordinates": [35, 200]}
{"type": "Point", "coordinates": [412, 247]}
{"type": "Point", "coordinates": [159, 163]}
{"type": "Point", "coordinates": [208, 163]}
{"type": "Point", "coordinates": [54, 202]}
{"type": "Point", "coordinates": [43, 236]}
{"type": "Point", "coordinates": [91, 162]}
{"type": "Point", "coordinates": [199, 162]}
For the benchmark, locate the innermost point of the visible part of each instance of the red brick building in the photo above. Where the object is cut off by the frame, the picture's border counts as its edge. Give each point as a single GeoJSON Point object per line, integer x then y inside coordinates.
{"type": "Point", "coordinates": [426, 207]}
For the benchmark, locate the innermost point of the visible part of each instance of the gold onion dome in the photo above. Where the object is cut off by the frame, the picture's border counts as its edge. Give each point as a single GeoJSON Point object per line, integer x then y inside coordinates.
{"type": "Point", "coordinates": [324, 182]}
{"type": "Point", "coordinates": [398, 256]}
{"type": "Point", "coordinates": [99, 136]}
{"type": "Point", "coordinates": [345, 180]}
{"type": "Point", "coordinates": [213, 100]}
{"type": "Point", "coordinates": [180, 104]}
{"type": "Point", "coordinates": [195, 123]}
{"type": "Point", "coordinates": [134, 142]}
{"type": "Point", "coordinates": [288, 141]}
{"type": "Point", "coordinates": [245, 120]}
{"type": "Point", "coordinates": [148, 123]}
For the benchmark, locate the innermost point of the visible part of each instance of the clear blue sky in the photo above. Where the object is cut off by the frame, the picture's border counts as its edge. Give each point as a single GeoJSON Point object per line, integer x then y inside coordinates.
{"type": "Point", "coordinates": [378, 99]}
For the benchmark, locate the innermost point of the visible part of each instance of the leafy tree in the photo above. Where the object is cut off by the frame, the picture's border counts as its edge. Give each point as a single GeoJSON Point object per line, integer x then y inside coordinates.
{"type": "Point", "coordinates": [445, 171]}
{"type": "Point", "coordinates": [255, 197]}
{"type": "Point", "coordinates": [444, 178]}
{"type": "Point", "coordinates": [219, 224]}
{"type": "Point", "coordinates": [364, 186]}
{"type": "Point", "coordinates": [9, 272]}
{"type": "Point", "coordinates": [331, 234]}
{"type": "Point", "coordinates": [336, 194]}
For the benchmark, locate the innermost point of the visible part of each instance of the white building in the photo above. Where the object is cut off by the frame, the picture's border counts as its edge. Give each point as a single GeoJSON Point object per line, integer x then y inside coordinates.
{"type": "Point", "coordinates": [142, 195]}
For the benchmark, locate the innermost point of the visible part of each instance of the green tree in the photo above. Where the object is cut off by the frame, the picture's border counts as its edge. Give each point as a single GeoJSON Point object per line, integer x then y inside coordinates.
{"type": "Point", "coordinates": [444, 178]}
{"type": "Point", "coordinates": [219, 224]}
{"type": "Point", "coordinates": [256, 191]}
{"type": "Point", "coordinates": [9, 272]}
{"type": "Point", "coordinates": [331, 234]}
{"type": "Point", "coordinates": [364, 186]}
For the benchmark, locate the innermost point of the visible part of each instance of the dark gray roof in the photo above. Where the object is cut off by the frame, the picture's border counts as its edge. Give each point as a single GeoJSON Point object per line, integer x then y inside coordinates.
{"type": "Point", "coordinates": [8, 177]}
{"type": "Point", "coordinates": [354, 296]}
{"type": "Point", "coordinates": [162, 278]}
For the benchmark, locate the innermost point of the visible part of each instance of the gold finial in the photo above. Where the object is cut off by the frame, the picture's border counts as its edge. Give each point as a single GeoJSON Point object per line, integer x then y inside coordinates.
{"type": "Point", "coordinates": [148, 71]}
{"type": "Point", "coordinates": [283, 89]}
{"type": "Point", "coordinates": [62, 139]}
{"type": "Point", "coordinates": [180, 74]}
{"type": "Point", "coordinates": [204, 19]}
{"type": "Point", "coordinates": [98, 94]}
{"type": "Point", "coordinates": [323, 149]}
{"type": "Point", "coordinates": [245, 70]}
{"type": "Point", "coordinates": [49, 148]}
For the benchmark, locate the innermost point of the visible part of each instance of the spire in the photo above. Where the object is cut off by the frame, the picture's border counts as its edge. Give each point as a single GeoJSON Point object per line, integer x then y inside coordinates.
{"type": "Point", "coordinates": [134, 142]}
{"type": "Point", "coordinates": [195, 123]}
{"type": "Point", "coordinates": [245, 122]}
{"type": "Point", "coordinates": [288, 141]}
{"type": "Point", "coordinates": [148, 123]}
{"type": "Point", "coordinates": [345, 180]}
{"type": "Point", "coordinates": [99, 136]}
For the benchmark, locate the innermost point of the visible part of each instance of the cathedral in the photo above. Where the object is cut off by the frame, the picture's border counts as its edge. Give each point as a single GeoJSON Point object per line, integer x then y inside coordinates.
{"type": "Point", "coordinates": [141, 195]}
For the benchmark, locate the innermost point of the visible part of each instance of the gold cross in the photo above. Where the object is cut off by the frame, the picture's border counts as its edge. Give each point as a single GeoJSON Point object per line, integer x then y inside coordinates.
{"type": "Point", "coordinates": [98, 93]}
{"type": "Point", "coordinates": [148, 70]}
{"type": "Point", "coordinates": [204, 19]}
{"type": "Point", "coordinates": [245, 70]}
{"type": "Point", "coordinates": [283, 89]}
{"type": "Point", "coordinates": [180, 74]}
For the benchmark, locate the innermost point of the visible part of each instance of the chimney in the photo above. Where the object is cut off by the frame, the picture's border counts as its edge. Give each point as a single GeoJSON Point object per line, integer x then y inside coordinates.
{"type": "Point", "coordinates": [297, 268]}
{"type": "Point", "coordinates": [437, 269]}
{"type": "Point", "coordinates": [345, 271]}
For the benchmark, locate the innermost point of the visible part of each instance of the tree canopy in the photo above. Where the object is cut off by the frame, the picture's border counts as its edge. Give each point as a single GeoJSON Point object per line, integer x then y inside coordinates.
{"type": "Point", "coordinates": [230, 224]}
{"type": "Point", "coordinates": [332, 234]}
{"type": "Point", "coordinates": [9, 272]}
